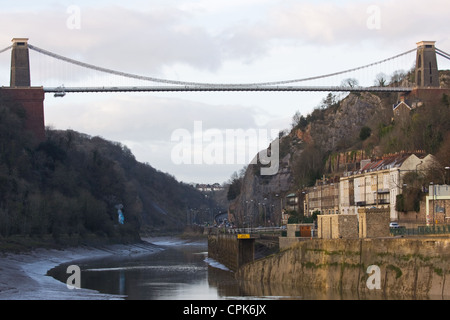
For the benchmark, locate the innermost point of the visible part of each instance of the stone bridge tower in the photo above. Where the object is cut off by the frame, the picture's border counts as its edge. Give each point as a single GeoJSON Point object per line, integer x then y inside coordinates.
{"type": "Point", "coordinates": [427, 73]}
{"type": "Point", "coordinates": [21, 92]}
{"type": "Point", "coordinates": [20, 63]}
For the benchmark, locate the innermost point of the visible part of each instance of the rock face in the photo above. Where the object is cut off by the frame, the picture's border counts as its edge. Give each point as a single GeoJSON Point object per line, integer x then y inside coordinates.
{"type": "Point", "coordinates": [341, 127]}
{"type": "Point", "coordinates": [406, 268]}
{"type": "Point", "coordinates": [262, 197]}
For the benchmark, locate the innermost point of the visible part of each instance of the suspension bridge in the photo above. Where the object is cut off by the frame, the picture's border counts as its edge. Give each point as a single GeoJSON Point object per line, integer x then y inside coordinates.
{"type": "Point", "coordinates": [20, 55]}
{"type": "Point", "coordinates": [165, 85]}
{"type": "Point", "coordinates": [425, 74]}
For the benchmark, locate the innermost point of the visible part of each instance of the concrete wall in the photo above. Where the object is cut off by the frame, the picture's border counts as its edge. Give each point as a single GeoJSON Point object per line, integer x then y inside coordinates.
{"type": "Point", "coordinates": [409, 268]}
{"type": "Point", "coordinates": [371, 223]}
{"type": "Point", "coordinates": [374, 223]}
{"type": "Point", "coordinates": [335, 226]}
{"type": "Point", "coordinates": [231, 251]}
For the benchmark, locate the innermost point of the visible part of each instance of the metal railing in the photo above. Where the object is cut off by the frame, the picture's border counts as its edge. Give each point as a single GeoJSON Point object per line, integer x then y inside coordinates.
{"type": "Point", "coordinates": [421, 230]}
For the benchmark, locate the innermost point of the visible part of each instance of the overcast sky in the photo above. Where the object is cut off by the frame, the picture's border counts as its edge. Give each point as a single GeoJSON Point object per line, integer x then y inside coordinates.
{"type": "Point", "coordinates": [213, 41]}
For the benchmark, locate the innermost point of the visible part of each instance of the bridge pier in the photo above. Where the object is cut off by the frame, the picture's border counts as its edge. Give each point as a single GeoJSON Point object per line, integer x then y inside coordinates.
{"type": "Point", "coordinates": [32, 101]}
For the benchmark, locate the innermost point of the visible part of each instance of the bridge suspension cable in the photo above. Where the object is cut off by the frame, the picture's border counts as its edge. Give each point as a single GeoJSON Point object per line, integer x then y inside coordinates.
{"type": "Point", "coordinates": [186, 83]}
{"type": "Point", "coordinates": [442, 53]}
{"type": "Point", "coordinates": [6, 49]}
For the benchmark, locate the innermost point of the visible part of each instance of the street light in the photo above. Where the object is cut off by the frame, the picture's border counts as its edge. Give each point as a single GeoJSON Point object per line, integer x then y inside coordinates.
{"type": "Point", "coordinates": [434, 193]}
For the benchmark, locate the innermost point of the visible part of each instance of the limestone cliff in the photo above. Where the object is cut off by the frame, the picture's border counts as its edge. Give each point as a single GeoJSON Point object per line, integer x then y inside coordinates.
{"type": "Point", "coordinates": [339, 128]}
{"type": "Point", "coordinates": [329, 130]}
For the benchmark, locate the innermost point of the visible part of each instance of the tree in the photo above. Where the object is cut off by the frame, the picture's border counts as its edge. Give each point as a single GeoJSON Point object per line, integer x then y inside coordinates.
{"type": "Point", "coordinates": [349, 82]}
{"type": "Point", "coordinates": [397, 77]}
{"type": "Point", "coordinates": [234, 188]}
{"type": "Point", "coordinates": [294, 217]}
{"type": "Point", "coordinates": [299, 121]}
{"type": "Point", "coordinates": [381, 80]}
{"type": "Point", "coordinates": [308, 166]}
{"type": "Point", "coordinates": [330, 101]}
{"type": "Point", "coordinates": [364, 133]}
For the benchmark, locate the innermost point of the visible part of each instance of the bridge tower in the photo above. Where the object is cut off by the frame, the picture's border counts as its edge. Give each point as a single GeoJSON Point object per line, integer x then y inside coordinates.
{"type": "Point", "coordinates": [427, 73]}
{"type": "Point", "coordinates": [20, 91]}
{"type": "Point", "coordinates": [20, 63]}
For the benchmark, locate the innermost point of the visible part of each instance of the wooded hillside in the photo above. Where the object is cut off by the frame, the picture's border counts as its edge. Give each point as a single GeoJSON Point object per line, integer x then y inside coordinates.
{"type": "Point", "coordinates": [72, 184]}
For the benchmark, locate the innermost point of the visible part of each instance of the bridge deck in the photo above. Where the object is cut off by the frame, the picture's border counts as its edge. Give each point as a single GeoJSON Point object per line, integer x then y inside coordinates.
{"type": "Point", "coordinates": [222, 88]}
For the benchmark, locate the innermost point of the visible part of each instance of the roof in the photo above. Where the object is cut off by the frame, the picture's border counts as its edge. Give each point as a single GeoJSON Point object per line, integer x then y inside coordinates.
{"type": "Point", "coordinates": [387, 162]}
{"type": "Point", "coordinates": [290, 195]}
{"type": "Point", "coordinates": [402, 103]}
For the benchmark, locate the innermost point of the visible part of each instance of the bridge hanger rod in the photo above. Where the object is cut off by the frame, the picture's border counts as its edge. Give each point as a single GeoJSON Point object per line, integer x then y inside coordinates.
{"type": "Point", "coordinates": [173, 82]}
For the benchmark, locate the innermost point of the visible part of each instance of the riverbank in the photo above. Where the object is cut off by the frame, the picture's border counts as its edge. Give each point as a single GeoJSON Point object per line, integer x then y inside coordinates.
{"type": "Point", "coordinates": [24, 272]}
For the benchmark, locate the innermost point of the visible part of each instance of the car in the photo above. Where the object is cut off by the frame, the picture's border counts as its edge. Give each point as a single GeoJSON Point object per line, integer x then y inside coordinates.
{"type": "Point", "coordinates": [394, 225]}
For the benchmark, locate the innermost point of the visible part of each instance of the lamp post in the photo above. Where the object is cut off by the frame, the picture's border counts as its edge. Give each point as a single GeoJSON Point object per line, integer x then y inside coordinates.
{"type": "Point", "coordinates": [445, 207]}
{"type": "Point", "coordinates": [434, 192]}
{"type": "Point", "coordinates": [265, 212]}
{"type": "Point", "coordinates": [246, 213]}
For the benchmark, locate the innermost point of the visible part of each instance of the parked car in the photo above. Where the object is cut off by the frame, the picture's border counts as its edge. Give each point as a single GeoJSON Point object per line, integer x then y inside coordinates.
{"type": "Point", "coordinates": [394, 225]}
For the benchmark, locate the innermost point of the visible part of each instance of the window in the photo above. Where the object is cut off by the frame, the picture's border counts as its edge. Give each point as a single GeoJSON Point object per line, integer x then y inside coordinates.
{"type": "Point", "coordinates": [431, 75]}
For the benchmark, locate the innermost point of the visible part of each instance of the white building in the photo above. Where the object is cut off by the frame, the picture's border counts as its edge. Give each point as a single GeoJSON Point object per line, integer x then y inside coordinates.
{"type": "Point", "coordinates": [378, 182]}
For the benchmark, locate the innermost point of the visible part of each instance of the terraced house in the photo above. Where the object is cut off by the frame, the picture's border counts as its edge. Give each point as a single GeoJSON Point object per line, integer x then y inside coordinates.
{"type": "Point", "coordinates": [375, 185]}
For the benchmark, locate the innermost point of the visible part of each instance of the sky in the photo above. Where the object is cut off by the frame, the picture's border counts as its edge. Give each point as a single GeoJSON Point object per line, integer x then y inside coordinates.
{"type": "Point", "coordinates": [188, 134]}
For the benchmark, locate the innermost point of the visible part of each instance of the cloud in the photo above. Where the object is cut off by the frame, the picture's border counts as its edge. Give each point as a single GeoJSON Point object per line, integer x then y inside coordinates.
{"type": "Point", "coordinates": [146, 124]}
{"type": "Point", "coordinates": [146, 118]}
{"type": "Point", "coordinates": [204, 35]}
{"type": "Point", "coordinates": [331, 24]}
{"type": "Point", "coordinates": [117, 37]}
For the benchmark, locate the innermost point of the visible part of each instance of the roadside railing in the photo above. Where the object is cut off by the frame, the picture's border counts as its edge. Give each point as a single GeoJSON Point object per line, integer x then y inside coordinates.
{"type": "Point", "coordinates": [421, 230]}
{"type": "Point", "coordinates": [253, 231]}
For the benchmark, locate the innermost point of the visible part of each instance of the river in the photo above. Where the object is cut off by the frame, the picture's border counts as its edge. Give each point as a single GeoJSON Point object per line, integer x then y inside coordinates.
{"type": "Point", "coordinates": [181, 270]}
